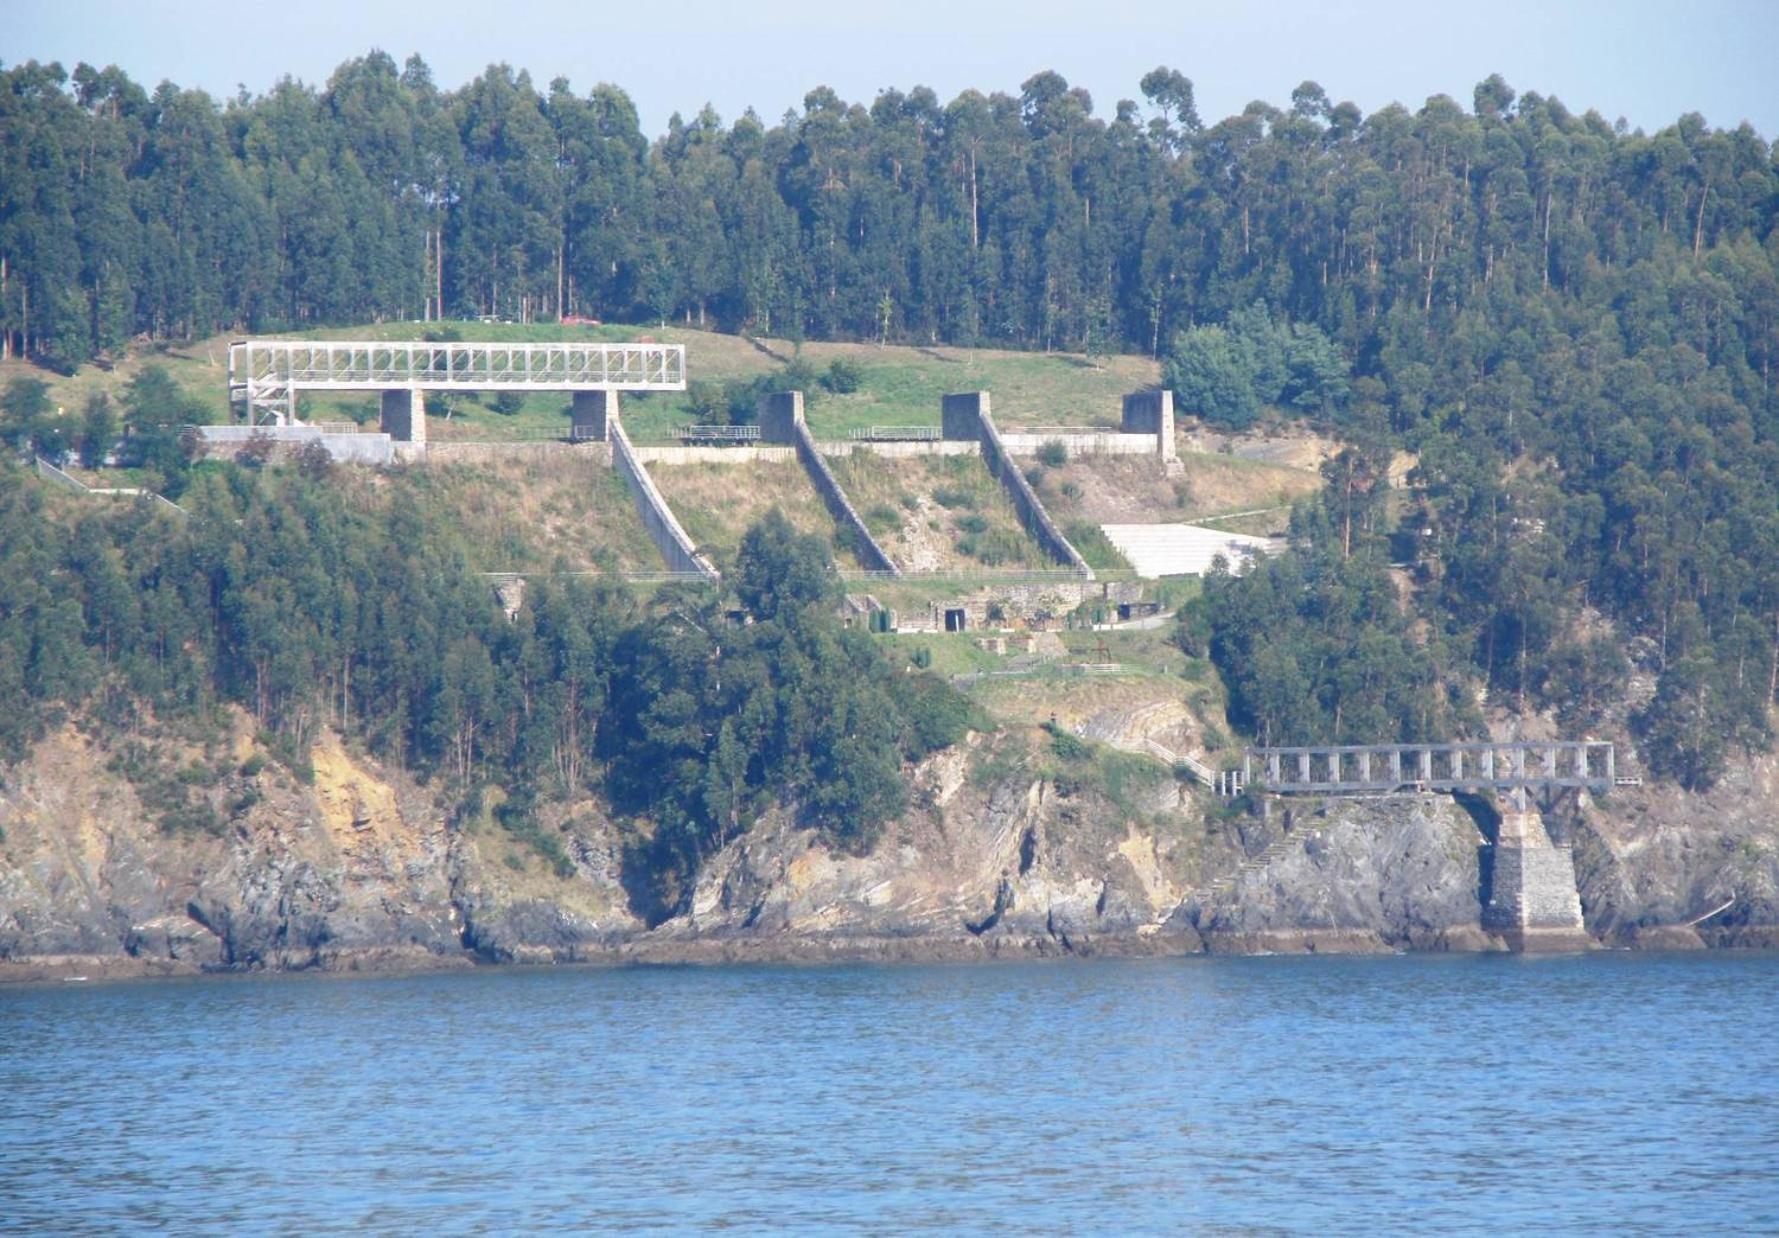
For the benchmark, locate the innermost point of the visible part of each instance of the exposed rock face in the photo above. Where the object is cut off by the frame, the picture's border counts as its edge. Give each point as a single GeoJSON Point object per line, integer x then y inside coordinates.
{"type": "Point", "coordinates": [1020, 866]}
{"type": "Point", "coordinates": [1355, 876]}
{"type": "Point", "coordinates": [360, 868]}
{"type": "Point", "coordinates": [1649, 860]}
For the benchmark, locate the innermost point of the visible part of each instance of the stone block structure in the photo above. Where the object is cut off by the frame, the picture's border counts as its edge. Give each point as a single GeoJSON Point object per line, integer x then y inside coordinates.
{"type": "Point", "coordinates": [780, 414]}
{"type": "Point", "coordinates": [1532, 899]}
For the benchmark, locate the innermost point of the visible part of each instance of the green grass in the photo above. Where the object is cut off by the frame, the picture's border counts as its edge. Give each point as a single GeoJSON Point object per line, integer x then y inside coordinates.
{"type": "Point", "coordinates": [938, 512]}
{"type": "Point", "coordinates": [899, 385]}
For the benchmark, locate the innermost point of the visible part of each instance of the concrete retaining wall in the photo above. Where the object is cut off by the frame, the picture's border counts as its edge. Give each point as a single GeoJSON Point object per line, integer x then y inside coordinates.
{"type": "Point", "coordinates": [346, 448]}
{"type": "Point", "coordinates": [872, 556]}
{"type": "Point", "coordinates": [897, 450]}
{"type": "Point", "coordinates": [1025, 500]}
{"type": "Point", "coordinates": [454, 450]}
{"type": "Point", "coordinates": [676, 547]}
{"type": "Point", "coordinates": [713, 455]}
{"type": "Point", "coordinates": [1081, 443]}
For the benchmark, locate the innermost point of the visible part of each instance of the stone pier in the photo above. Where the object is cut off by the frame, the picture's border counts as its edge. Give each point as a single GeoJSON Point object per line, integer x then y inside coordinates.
{"type": "Point", "coordinates": [1532, 895]}
{"type": "Point", "coordinates": [402, 414]}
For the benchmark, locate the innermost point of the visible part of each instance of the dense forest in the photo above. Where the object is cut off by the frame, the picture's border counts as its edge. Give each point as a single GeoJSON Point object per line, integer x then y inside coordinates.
{"type": "Point", "coordinates": [1572, 325]}
{"type": "Point", "coordinates": [310, 604]}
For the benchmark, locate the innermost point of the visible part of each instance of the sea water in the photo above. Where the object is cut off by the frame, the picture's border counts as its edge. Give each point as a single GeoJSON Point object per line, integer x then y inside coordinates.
{"type": "Point", "coordinates": [1605, 1092]}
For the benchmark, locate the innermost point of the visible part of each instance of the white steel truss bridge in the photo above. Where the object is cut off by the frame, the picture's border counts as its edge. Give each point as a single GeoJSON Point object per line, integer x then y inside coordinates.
{"type": "Point", "coordinates": [266, 375]}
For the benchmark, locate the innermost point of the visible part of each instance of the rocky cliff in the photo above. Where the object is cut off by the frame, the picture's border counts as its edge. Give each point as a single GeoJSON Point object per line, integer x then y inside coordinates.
{"type": "Point", "coordinates": [1004, 852]}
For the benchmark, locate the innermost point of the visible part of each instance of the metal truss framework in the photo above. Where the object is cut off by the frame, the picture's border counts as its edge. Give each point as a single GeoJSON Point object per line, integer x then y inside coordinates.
{"type": "Point", "coordinates": [266, 375]}
{"type": "Point", "coordinates": [1387, 768]}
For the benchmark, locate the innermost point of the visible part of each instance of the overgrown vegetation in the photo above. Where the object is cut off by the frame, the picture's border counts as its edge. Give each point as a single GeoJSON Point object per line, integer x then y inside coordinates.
{"type": "Point", "coordinates": [364, 616]}
{"type": "Point", "coordinates": [1572, 326]}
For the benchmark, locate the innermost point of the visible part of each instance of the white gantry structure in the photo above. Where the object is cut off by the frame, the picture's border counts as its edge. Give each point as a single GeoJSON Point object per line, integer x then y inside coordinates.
{"type": "Point", "coordinates": [265, 376]}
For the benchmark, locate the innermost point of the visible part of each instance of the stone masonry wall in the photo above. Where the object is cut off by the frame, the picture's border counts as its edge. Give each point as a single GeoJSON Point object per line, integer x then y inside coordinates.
{"type": "Point", "coordinates": [1534, 887]}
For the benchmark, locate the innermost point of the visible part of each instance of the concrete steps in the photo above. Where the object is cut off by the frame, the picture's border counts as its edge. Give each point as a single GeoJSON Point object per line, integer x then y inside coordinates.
{"type": "Point", "coordinates": [1184, 549]}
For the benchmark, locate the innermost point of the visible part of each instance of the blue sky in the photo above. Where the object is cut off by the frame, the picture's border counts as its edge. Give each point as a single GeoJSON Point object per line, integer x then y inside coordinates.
{"type": "Point", "coordinates": [1645, 61]}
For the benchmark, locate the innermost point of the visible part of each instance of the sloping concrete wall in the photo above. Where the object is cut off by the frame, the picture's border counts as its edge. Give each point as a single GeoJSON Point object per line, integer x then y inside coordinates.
{"type": "Point", "coordinates": [1025, 500]}
{"type": "Point", "coordinates": [676, 547]}
{"type": "Point", "coordinates": [874, 557]}
{"type": "Point", "coordinates": [781, 421]}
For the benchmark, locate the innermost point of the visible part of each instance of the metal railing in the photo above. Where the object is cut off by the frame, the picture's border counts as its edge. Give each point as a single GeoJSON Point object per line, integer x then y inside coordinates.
{"type": "Point", "coordinates": [718, 434]}
{"type": "Point", "coordinates": [896, 434]}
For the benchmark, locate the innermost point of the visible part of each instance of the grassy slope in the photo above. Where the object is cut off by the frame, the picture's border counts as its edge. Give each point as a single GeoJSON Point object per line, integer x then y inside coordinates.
{"type": "Point", "coordinates": [525, 513]}
{"type": "Point", "coordinates": [716, 503]}
{"type": "Point", "coordinates": [900, 502]}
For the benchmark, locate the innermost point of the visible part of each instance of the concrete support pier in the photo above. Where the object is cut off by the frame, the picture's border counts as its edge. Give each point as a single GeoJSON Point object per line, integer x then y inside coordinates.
{"type": "Point", "coordinates": [402, 414]}
{"type": "Point", "coordinates": [960, 416]}
{"type": "Point", "coordinates": [1532, 896]}
{"type": "Point", "coordinates": [779, 415]}
{"type": "Point", "coordinates": [1152, 412]}
{"type": "Point", "coordinates": [591, 415]}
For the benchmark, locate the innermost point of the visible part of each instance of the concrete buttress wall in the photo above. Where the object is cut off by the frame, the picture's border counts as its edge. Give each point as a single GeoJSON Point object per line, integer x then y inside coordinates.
{"type": "Point", "coordinates": [958, 412]}
{"type": "Point", "coordinates": [676, 547]}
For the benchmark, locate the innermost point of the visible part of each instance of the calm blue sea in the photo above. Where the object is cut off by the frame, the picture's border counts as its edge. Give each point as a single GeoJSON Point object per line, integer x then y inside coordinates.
{"type": "Point", "coordinates": [1611, 1092]}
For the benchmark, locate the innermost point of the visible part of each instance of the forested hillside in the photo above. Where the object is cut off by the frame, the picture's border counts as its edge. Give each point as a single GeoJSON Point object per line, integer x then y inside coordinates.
{"type": "Point", "coordinates": [1573, 325]}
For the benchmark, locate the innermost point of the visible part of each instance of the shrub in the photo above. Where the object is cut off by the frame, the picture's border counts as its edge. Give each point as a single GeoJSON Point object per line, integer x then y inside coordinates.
{"type": "Point", "coordinates": [881, 518]}
{"type": "Point", "coordinates": [953, 497]}
{"type": "Point", "coordinates": [1095, 546]}
{"type": "Point", "coordinates": [1067, 745]}
{"type": "Point", "coordinates": [994, 547]}
{"type": "Point", "coordinates": [1053, 454]}
{"type": "Point", "coordinates": [506, 403]}
{"type": "Point", "coordinates": [843, 377]}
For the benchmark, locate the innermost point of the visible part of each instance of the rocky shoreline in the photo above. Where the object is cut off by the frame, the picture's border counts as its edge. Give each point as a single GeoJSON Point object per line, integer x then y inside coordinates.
{"type": "Point", "coordinates": [358, 870]}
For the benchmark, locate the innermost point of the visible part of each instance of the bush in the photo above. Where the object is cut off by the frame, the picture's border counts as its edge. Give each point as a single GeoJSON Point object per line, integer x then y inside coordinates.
{"type": "Point", "coordinates": [881, 518]}
{"type": "Point", "coordinates": [506, 403]}
{"type": "Point", "coordinates": [1067, 745]}
{"type": "Point", "coordinates": [1053, 454]}
{"type": "Point", "coordinates": [844, 376]}
{"type": "Point", "coordinates": [1095, 546]}
{"type": "Point", "coordinates": [953, 497]}
{"type": "Point", "coordinates": [994, 547]}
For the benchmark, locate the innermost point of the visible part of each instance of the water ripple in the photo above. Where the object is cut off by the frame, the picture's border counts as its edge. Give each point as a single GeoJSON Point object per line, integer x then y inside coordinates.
{"type": "Point", "coordinates": [1248, 1095]}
